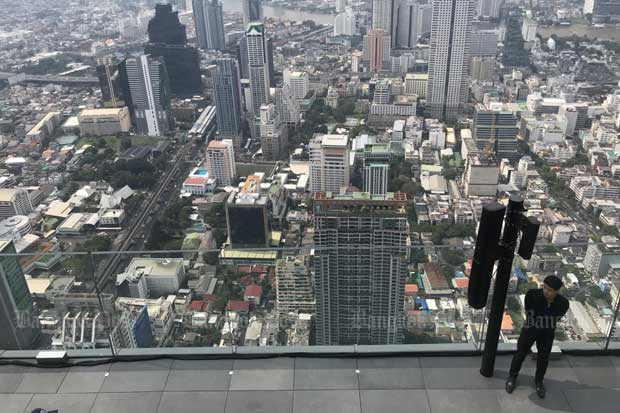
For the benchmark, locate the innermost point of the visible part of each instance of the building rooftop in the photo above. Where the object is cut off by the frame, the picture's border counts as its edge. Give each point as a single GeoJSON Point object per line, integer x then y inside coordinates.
{"type": "Point", "coordinates": [102, 112]}
{"type": "Point", "coordinates": [308, 385]}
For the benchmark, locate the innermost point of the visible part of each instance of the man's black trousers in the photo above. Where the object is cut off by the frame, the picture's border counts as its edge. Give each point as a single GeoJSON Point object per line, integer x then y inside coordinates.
{"type": "Point", "coordinates": [544, 341]}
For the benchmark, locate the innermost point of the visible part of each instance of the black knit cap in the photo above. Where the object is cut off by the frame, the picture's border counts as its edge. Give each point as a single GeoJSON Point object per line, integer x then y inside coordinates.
{"type": "Point", "coordinates": [553, 282]}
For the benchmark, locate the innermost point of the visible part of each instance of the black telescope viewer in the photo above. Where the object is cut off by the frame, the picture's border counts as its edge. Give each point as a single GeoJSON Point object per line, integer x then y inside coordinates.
{"type": "Point", "coordinates": [490, 248]}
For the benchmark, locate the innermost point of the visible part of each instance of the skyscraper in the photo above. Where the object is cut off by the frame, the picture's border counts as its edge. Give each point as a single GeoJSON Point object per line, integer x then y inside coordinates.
{"type": "Point", "coordinates": [252, 11]}
{"type": "Point", "coordinates": [377, 51]}
{"type": "Point", "coordinates": [286, 105]}
{"type": "Point", "coordinates": [329, 163]}
{"type": "Point", "coordinates": [16, 306]}
{"type": "Point", "coordinates": [273, 133]}
{"type": "Point", "coordinates": [168, 39]}
{"type": "Point", "coordinates": [258, 65]}
{"type": "Point", "coordinates": [407, 28]}
{"type": "Point", "coordinates": [113, 84]}
{"type": "Point", "coordinates": [383, 14]}
{"type": "Point", "coordinates": [360, 267]}
{"type": "Point", "coordinates": [376, 168]}
{"type": "Point", "coordinates": [221, 161]}
{"type": "Point", "coordinates": [514, 53]}
{"type": "Point", "coordinates": [227, 98]}
{"type": "Point", "coordinates": [448, 68]}
{"type": "Point", "coordinates": [340, 5]}
{"type": "Point", "coordinates": [150, 94]}
{"type": "Point", "coordinates": [489, 8]}
{"type": "Point", "coordinates": [299, 82]}
{"type": "Point", "coordinates": [209, 22]}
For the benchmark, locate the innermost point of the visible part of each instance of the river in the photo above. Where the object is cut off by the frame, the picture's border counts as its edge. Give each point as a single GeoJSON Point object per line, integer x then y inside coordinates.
{"type": "Point", "coordinates": [295, 15]}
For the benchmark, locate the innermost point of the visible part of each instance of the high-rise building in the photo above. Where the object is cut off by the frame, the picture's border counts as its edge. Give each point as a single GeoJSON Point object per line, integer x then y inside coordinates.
{"type": "Point", "coordinates": [247, 219]}
{"type": "Point", "coordinates": [17, 312]}
{"type": "Point", "coordinates": [168, 39]}
{"type": "Point", "coordinates": [407, 30]}
{"type": "Point", "coordinates": [273, 133]}
{"type": "Point", "coordinates": [252, 11]}
{"type": "Point", "coordinates": [150, 94]}
{"type": "Point", "coordinates": [286, 105]}
{"type": "Point", "coordinates": [514, 53]}
{"type": "Point", "coordinates": [113, 84]}
{"type": "Point", "coordinates": [299, 82]}
{"type": "Point", "coordinates": [495, 130]}
{"type": "Point", "coordinates": [14, 201]}
{"type": "Point", "coordinates": [294, 286]}
{"type": "Point", "coordinates": [528, 30]}
{"type": "Point", "coordinates": [209, 22]}
{"type": "Point", "coordinates": [484, 40]}
{"type": "Point", "coordinates": [448, 68]}
{"type": "Point", "coordinates": [329, 163]}
{"type": "Point", "coordinates": [340, 5]}
{"type": "Point", "coordinates": [227, 99]}
{"type": "Point", "coordinates": [221, 161]}
{"type": "Point", "coordinates": [360, 266]}
{"type": "Point", "coordinates": [489, 8]}
{"type": "Point", "coordinates": [377, 50]}
{"type": "Point", "coordinates": [376, 177]}
{"type": "Point", "coordinates": [383, 14]}
{"type": "Point", "coordinates": [258, 65]}
{"type": "Point", "coordinates": [345, 23]}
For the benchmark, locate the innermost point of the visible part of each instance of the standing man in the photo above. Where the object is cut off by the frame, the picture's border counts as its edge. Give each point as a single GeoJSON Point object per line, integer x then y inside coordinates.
{"type": "Point", "coordinates": [544, 307]}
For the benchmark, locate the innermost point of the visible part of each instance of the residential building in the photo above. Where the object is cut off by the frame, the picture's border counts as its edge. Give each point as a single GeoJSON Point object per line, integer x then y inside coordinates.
{"type": "Point", "coordinates": [14, 201]}
{"type": "Point", "coordinates": [133, 329]}
{"type": "Point", "coordinates": [481, 176]}
{"type": "Point", "coordinates": [528, 29]}
{"type": "Point", "coordinates": [594, 187]}
{"type": "Point", "coordinates": [221, 161]}
{"type": "Point", "coordinates": [294, 286]}
{"type": "Point", "coordinates": [258, 65]}
{"type": "Point", "coordinates": [273, 133]}
{"type": "Point", "coordinates": [416, 84]}
{"type": "Point", "coordinates": [383, 14]}
{"type": "Point", "coordinates": [360, 267]}
{"type": "Point", "coordinates": [16, 305]}
{"type": "Point", "coordinates": [150, 94]}
{"type": "Point", "coordinates": [514, 54]}
{"type": "Point", "coordinates": [448, 67]}
{"type": "Point", "coordinates": [604, 10]}
{"type": "Point", "coordinates": [161, 315]}
{"type": "Point", "coordinates": [209, 23]}
{"type": "Point", "coordinates": [377, 49]}
{"type": "Point", "coordinates": [599, 259]}
{"type": "Point", "coordinates": [489, 8]}
{"type": "Point", "coordinates": [298, 82]}
{"type": "Point", "coordinates": [407, 29]}
{"type": "Point", "coordinates": [286, 105]}
{"type": "Point", "coordinates": [102, 122]}
{"type": "Point", "coordinates": [345, 23]}
{"type": "Point", "coordinates": [329, 163]}
{"type": "Point", "coordinates": [227, 99]}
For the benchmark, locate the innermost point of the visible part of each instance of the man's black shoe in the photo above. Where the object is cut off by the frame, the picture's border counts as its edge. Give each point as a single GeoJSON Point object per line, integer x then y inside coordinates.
{"type": "Point", "coordinates": [540, 390]}
{"type": "Point", "coordinates": [511, 383]}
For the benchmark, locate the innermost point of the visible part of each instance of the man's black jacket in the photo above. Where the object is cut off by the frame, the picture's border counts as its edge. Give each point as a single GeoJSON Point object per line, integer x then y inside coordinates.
{"type": "Point", "coordinates": [539, 314]}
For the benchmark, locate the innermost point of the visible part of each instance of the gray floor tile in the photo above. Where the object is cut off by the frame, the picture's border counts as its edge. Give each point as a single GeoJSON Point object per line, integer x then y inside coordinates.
{"type": "Point", "coordinates": [195, 380]}
{"type": "Point", "coordinates": [390, 373]}
{"type": "Point", "coordinates": [326, 401]}
{"type": "Point", "coordinates": [273, 363]}
{"type": "Point", "coordinates": [273, 379]}
{"type": "Point", "coordinates": [464, 401]}
{"type": "Point", "coordinates": [259, 402]}
{"type": "Point", "coordinates": [135, 381]}
{"type": "Point", "coordinates": [526, 400]}
{"type": "Point", "coordinates": [37, 380]}
{"type": "Point", "coordinates": [604, 376]}
{"type": "Point", "coordinates": [159, 364]}
{"type": "Point", "coordinates": [594, 400]}
{"type": "Point", "coordinates": [192, 402]}
{"type": "Point", "coordinates": [325, 374]}
{"type": "Point", "coordinates": [82, 382]}
{"type": "Point", "coordinates": [9, 382]}
{"type": "Point", "coordinates": [202, 364]}
{"type": "Point", "coordinates": [14, 402]}
{"type": "Point", "coordinates": [461, 373]}
{"type": "Point", "coordinates": [69, 403]}
{"type": "Point", "coordinates": [394, 401]}
{"type": "Point", "coordinates": [126, 402]}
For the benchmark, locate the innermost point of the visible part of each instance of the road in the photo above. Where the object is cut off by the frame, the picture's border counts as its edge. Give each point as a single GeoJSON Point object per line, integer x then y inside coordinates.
{"type": "Point", "coordinates": [106, 268]}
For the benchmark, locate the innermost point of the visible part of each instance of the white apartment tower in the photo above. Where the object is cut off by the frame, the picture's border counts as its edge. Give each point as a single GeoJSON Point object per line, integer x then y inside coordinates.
{"type": "Point", "coordinates": [329, 163]}
{"type": "Point", "coordinates": [14, 201]}
{"type": "Point", "coordinates": [376, 178]}
{"type": "Point", "coordinates": [448, 68]}
{"type": "Point", "coordinates": [221, 161]}
{"type": "Point", "coordinates": [256, 45]}
{"type": "Point", "coordinates": [299, 82]}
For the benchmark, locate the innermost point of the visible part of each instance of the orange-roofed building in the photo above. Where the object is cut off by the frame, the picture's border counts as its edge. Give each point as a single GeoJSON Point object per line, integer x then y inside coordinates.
{"type": "Point", "coordinates": [460, 283]}
{"type": "Point", "coordinates": [468, 265]}
{"type": "Point", "coordinates": [507, 324]}
{"type": "Point", "coordinates": [411, 289]}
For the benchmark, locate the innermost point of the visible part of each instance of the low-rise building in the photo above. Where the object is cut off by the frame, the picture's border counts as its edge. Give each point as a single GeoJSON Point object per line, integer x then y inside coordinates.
{"type": "Point", "coordinates": [102, 122]}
